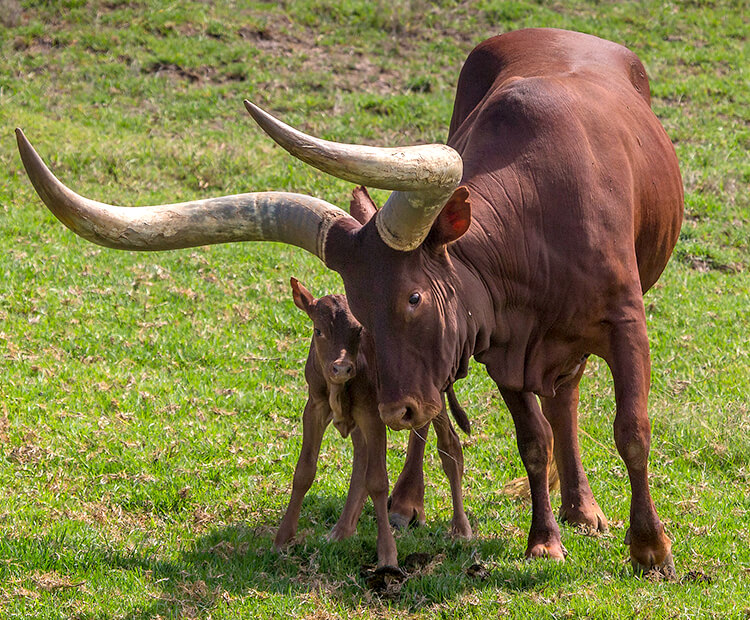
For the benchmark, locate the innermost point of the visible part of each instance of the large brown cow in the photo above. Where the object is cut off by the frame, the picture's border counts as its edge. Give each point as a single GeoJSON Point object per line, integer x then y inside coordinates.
{"type": "Point", "coordinates": [527, 243]}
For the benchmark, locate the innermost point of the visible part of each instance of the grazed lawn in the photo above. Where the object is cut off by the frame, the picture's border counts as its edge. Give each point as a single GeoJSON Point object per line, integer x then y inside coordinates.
{"type": "Point", "coordinates": [150, 403]}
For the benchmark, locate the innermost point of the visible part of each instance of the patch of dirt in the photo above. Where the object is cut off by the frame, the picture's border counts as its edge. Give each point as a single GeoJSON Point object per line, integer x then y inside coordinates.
{"type": "Point", "coordinates": [10, 13]}
{"type": "Point", "coordinates": [704, 264]}
{"type": "Point", "coordinates": [4, 424]}
{"type": "Point", "coordinates": [199, 74]}
{"type": "Point", "coordinates": [49, 582]}
{"type": "Point", "coordinates": [38, 44]}
{"type": "Point", "coordinates": [28, 453]}
{"type": "Point", "coordinates": [696, 576]}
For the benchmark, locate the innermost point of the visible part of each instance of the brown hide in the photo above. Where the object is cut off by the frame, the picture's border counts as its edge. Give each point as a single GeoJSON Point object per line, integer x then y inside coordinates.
{"type": "Point", "coordinates": [576, 203]}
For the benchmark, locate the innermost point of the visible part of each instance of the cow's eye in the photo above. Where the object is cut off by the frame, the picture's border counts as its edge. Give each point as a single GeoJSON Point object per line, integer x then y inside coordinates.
{"type": "Point", "coordinates": [414, 299]}
{"type": "Point", "coordinates": [317, 332]}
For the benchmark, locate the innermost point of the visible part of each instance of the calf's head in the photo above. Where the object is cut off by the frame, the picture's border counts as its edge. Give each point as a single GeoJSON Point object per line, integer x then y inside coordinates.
{"type": "Point", "coordinates": [397, 274]}
{"type": "Point", "coordinates": [336, 333]}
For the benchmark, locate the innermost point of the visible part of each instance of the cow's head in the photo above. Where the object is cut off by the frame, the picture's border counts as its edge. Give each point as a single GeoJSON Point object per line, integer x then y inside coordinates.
{"type": "Point", "coordinates": [397, 274]}
{"type": "Point", "coordinates": [407, 302]}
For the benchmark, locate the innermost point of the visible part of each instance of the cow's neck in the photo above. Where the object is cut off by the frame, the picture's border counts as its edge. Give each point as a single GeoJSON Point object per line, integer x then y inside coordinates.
{"type": "Point", "coordinates": [475, 316]}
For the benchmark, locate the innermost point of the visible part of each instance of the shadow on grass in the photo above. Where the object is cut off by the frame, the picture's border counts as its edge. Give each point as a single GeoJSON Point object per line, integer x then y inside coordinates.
{"type": "Point", "coordinates": [236, 562]}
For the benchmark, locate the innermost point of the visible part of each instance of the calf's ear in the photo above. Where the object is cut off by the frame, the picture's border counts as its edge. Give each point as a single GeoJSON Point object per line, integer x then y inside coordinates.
{"type": "Point", "coordinates": [303, 299]}
{"type": "Point", "coordinates": [454, 219]}
{"type": "Point", "coordinates": [362, 207]}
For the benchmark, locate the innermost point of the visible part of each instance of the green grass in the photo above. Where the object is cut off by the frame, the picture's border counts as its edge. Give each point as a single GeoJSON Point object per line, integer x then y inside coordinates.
{"type": "Point", "coordinates": [150, 403]}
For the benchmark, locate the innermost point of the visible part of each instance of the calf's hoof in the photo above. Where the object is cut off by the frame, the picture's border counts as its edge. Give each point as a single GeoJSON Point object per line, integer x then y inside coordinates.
{"type": "Point", "coordinates": [340, 532]}
{"type": "Point", "coordinates": [282, 539]}
{"type": "Point", "coordinates": [664, 570]}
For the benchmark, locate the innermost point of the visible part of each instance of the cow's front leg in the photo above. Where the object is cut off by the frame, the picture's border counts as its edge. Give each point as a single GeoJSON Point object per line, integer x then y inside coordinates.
{"type": "Point", "coordinates": [315, 419]}
{"type": "Point", "coordinates": [452, 459]}
{"type": "Point", "coordinates": [534, 437]}
{"type": "Point", "coordinates": [374, 433]}
{"type": "Point", "coordinates": [406, 504]}
{"type": "Point", "coordinates": [630, 363]}
{"type": "Point", "coordinates": [355, 499]}
{"type": "Point", "coordinates": [578, 505]}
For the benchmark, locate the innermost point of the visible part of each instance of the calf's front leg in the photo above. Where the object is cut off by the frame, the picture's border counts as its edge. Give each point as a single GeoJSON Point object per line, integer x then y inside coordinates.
{"type": "Point", "coordinates": [374, 433]}
{"type": "Point", "coordinates": [315, 419]}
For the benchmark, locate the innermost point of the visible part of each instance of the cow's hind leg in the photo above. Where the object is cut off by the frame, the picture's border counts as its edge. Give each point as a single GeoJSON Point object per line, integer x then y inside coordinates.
{"type": "Point", "coordinates": [315, 419]}
{"type": "Point", "coordinates": [406, 504]}
{"type": "Point", "coordinates": [578, 505]}
{"type": "Point", "coordinates": [629, 361]}
{"type": "Point", "coordinates": [534, 437]}
{"type": "Point", "coordinates": [452, 459]}
{"type": "Point", "coordinates": [355, 499]}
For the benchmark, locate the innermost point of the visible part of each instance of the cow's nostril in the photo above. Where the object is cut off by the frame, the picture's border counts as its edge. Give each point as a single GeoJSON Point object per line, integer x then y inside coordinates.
{"type": "Point", "coordinates": [398, 416]}
{"type": "Point", "coordinates": [408, 415]}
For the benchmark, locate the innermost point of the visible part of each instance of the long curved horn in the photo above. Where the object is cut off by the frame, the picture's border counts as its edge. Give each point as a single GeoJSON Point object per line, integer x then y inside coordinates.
{"type": "Point", "coordinates": [422, 177]}
{"type": "Point", "coordinates": [295, 219]}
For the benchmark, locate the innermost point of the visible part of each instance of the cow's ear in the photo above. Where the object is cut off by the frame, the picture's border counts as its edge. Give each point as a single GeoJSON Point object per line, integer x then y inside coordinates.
{"type": "Point", "coordinates": [362, 207]}
{"type": "Point", "coordinates": [454, 219]}
{"type": "Point", "coordinates": [303, 299]}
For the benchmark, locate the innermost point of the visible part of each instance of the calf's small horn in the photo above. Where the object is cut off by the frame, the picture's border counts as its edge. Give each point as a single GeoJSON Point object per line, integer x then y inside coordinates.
{"type": "Point", "coordinates": [295, 219]}
{"type": "Point", "coordinates": [422, 177]}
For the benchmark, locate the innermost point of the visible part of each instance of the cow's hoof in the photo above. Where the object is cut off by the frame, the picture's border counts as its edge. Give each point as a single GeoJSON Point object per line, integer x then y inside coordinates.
{"type": "Point", "coordinates": [653, 561]}
{"type": "Point", "coordinates": [461, 529]}
{"type": "Point", "coordinates": [665, 570]}
{"type": "Point", "coordinates": [401, 522]}
{"type": "Point", "coordinates": [550, 551]}
{"type": "Point", "coordinates": [589, 521]}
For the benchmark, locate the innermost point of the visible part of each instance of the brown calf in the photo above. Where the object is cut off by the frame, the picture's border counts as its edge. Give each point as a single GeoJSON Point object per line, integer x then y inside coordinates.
{"type": "Point", "coordinates": [342, 390]}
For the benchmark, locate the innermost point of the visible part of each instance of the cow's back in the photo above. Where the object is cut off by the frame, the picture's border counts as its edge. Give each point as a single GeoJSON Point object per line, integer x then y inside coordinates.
{"type": "Point", "coordinates": [536, 52]}
{"type": "Point", "coordinates": [559, 124]}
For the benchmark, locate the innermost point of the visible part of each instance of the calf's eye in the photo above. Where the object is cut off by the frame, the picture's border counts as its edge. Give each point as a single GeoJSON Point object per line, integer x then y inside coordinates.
{"type": "Point", "coordinates": [414, 299]}
{"type": "Point", "coordinates": [317, 332]}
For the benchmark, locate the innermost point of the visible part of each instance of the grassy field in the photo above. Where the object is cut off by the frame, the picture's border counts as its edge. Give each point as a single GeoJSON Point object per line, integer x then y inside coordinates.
{"type": "Point", "coordinates": [150, 403]}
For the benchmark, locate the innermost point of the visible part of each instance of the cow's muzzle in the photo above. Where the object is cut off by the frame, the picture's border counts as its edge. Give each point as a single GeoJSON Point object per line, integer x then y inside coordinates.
{"type": "Point", "coordinates": [406, 413]}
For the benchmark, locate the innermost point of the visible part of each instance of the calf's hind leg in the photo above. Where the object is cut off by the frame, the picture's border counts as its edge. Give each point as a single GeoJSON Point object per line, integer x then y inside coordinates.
{"type": "Point", "coordinates": [578, 505]}
{"type": "Point", "coordinates": [355, 499]}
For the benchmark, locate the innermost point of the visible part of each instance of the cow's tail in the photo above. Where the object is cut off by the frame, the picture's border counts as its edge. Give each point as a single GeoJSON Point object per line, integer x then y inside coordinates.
{"type": "Point", "coordinates": [459, 414]}
{"type": "Point", "coordinates": [519, 487]}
